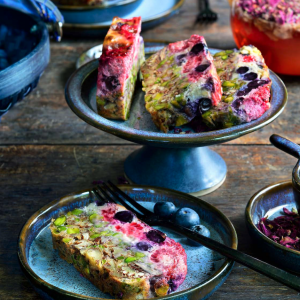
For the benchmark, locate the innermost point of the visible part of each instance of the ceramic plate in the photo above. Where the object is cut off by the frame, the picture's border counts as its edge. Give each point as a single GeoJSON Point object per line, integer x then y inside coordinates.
{"type": "Point", "coordinates": [81, 96]}
{"type": "Point", "coordinates": [105, 5]}
{"type": "Point", "coordinates": [97, 21]}
{"type": "Point", "coordinates": [54, 278]}
{"type": "Point", "coordinates": [269, 203]}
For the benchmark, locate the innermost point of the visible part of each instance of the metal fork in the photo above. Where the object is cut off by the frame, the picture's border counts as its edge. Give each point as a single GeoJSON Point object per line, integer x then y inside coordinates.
{"type": "Point", "coordinates": [205, 15]}
{"type": "Point", "coordinates": [110, 193]}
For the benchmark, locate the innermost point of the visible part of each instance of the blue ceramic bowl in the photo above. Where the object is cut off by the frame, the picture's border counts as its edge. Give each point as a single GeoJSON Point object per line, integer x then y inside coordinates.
{"type": "Point", "coordinates": [24, 54]}
{"type": "Point", "coordinates": [269, 202]}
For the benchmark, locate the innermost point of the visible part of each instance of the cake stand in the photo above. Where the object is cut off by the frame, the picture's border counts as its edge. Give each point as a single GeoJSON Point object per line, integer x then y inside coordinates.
{"type": "Point", "coordinates": [181, 162]}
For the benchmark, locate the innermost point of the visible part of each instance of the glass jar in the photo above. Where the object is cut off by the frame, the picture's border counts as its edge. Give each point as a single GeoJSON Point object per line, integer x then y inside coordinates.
{"type": "Point", "coordinates": [273, 26]}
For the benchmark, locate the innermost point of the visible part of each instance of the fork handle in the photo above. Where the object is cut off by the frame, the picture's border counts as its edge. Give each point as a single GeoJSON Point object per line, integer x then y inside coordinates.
{"type": "Point", "coordinates": [253, 263]}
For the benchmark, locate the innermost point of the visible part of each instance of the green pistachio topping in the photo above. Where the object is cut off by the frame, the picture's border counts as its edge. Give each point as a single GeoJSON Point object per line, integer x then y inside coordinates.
{"type": "Point", "coordinates": [139, 254]}
{"type": "Point", "coordinates": [76, 212]}
{"type": "Point", "coordinates": [65, 240]}
{"type": "Point", "coordinates": [158, 96]}
{"type": "Point", "coordinates": [228, 84]}
{"type": "Point", "coordinates": [229, 51]}
{"type": "Point", "coordinates": [224, 57]}
{"type": "Point", "coordinates": [60, 220]}
{"type": "Point", "coordinates": [73, 230]}
{"type": "Point", "coordinates": [95, 235]}
{"type": "Point", "coordinates": [130, 259]}
{"type": "Point", "coordinates": [61, 228]}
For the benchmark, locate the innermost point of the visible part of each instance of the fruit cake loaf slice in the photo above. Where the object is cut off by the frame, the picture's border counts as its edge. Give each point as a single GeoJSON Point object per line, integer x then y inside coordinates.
{"type": "Point", "coordinates": [122, 55]}
{"type": "Point", "coordinates": [246, 88]}
{"type": "Point", "coordinates": [180, 82]}
{"type": "Point", "coordinates": [118, 253]}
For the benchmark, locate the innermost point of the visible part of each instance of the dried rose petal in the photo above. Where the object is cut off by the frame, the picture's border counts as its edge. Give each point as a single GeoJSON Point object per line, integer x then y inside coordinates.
{"type": "Point", "coordinates": [284, 230]}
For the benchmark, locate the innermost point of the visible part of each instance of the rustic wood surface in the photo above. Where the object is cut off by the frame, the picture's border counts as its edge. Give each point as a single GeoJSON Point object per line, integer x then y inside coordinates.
{"type": "Point", "coordinates": [46, 152]}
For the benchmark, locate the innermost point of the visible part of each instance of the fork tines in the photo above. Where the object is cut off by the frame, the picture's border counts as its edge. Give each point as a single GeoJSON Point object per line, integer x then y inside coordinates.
{"type": "Point", "coordinates": [111, 193]}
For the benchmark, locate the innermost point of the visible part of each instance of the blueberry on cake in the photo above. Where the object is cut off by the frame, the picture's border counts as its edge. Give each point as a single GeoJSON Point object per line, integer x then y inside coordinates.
{"type": "Point", "coordinates": [122, 55]}
{"type": "Point", "coordinates": [118, 253]}
{"type": "Point", "coordinates": [246, 88]}
{"type": "Point", "coordinates": [180, 83]}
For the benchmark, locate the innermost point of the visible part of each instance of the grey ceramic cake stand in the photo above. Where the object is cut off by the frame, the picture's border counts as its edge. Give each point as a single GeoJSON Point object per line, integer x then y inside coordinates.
{"type": "Point", "coordinates": [181, 162]}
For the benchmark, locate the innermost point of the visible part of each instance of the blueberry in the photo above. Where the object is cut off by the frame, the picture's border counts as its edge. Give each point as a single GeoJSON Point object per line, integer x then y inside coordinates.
{"type": "Point", "coordinates": [143, 246]}
{"type": "Point", "coordinates": [201, 229]}
{"type": "Point", "coordinates": [165, 209]}
{"type": "Point", "coordinates": [256, 83]}
{"type": "Point", "coordinates": [202, 68]}
{"type": "Point", "coordinates": [242, 70]}
{"type": "Point", "coordinates": [237, 103]}
{"type": "Point", "coordinates": [244, 92]}
{"type": "Point", "coordinates": [250, 76]}
{"type": "Point", "coordinates": [209, 85]}
{"type": "Point", "coordinates": [198, 48]}
{"type": "Point", "coordinates": [125, 216]}
{"type": "Point", "coordinates": [156, 236]}
{"type": "Point", "coordinates": [204, 105]}
{"type": "Point", "coordinates": [180, 59]}
{"type": "Point", "coordinates": [112, 82]}
{"type": "Point", "coordinates": [186, 217]}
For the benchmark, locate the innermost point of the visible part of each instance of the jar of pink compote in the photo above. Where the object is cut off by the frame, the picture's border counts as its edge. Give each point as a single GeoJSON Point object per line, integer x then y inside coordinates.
{"type": "Point", "coordinates": [273, 26]}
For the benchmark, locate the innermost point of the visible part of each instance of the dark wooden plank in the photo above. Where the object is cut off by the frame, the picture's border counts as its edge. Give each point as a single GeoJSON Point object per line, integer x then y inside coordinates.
{"type": "Point", "coordinates": [31, 176]}
{"type": "Point", "coordinates": [45, 118]}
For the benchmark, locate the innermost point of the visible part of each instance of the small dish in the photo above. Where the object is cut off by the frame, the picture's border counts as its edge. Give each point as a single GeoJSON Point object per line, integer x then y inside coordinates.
{"type": "Point", "coordinates": [53, 278]}
{"type": "Point", "coordinates": [269, 202]}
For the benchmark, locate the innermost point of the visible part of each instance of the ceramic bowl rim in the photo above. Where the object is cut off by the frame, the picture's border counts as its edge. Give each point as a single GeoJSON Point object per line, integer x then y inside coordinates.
{"type": "Point", "coordinates": [255, 198]}
{"type": "Point", "coordinates": [42, 45]}
{"type": "Point", "coordinates": [145, 21]}
{"type": "Point", "coordinates": [93, 7]}
{"type": "Point", "coordinates": [224, 269]}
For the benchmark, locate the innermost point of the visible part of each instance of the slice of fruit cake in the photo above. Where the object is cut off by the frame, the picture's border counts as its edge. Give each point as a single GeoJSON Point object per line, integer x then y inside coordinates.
{"type": "Point", "coordinates": [118, 253]}
{"type": "Point", "coordinates": [122, 55]}
{"type": "Point", "coordinates": [180, 82]}
{"type": "Point", "coordinates": [246, 87]}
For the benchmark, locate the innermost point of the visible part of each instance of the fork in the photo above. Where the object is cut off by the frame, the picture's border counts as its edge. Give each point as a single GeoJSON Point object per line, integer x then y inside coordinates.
{"type": "Point", "coordinates": [205, 15]}
{"type": "Point", "coordinates": [107, 193]}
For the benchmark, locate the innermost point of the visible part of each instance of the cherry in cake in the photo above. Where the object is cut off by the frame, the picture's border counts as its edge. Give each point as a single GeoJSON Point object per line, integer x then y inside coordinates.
{"type": "Point", "coordinates": [122, 55]}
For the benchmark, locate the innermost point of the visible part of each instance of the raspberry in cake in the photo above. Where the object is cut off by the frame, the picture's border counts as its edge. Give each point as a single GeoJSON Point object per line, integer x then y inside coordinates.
{"type": "Point", "coordinates": [246, 88]}
{"type": "Point", "coordinates": [118, 253]}
{"type": "Point", "coordinates": [180, 83]}
{"type": "Point", "coordinates": [122, 55]}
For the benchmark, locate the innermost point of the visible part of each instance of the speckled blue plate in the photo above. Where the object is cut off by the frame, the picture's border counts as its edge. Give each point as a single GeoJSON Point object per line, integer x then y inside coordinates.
{"type": "Point", "coordinates": [54, 278]}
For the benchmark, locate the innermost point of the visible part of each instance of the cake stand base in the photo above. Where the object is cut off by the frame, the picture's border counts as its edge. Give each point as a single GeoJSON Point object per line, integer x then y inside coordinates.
{"type": "Point", "coordinates": [197, 171]}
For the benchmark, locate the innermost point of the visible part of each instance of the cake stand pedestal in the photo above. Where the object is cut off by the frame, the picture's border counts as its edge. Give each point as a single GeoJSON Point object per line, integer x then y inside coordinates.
{"type": "Point", "coordinates": [181, 162]}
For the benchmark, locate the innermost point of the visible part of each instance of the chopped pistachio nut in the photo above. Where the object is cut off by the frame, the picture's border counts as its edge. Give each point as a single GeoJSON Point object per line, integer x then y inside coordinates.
{"type": "Point", "coordinates": [228, 84]}
{"type": "Point", "coordinates": [73, 230]}
{"type": "Point", "coordinates": [76, 212]}
{"type": "Point", "coordinates": [224, 57]}
{"type": "Point", "coordinates": [158, 96]}
{"type": "Point", "coordinates": [60, 221]}
{"type": "Point", "coordinates": [130, 259]}
{"type": "Point", "coordinates": [65, 240]}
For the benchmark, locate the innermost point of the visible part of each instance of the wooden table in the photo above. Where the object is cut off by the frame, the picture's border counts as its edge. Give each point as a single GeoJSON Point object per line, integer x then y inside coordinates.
{"type": "Point", "coordinates": [46, 152]}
